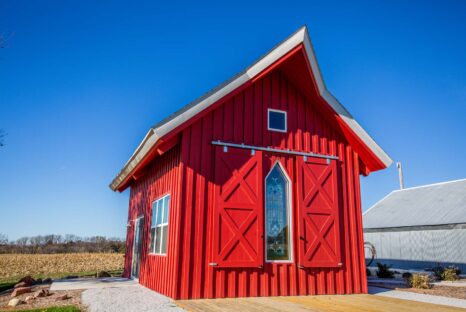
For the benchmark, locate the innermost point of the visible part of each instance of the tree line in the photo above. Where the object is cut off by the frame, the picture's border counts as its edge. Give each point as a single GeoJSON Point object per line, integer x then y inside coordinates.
{"type": "Point", "coordinates": [69, 243]}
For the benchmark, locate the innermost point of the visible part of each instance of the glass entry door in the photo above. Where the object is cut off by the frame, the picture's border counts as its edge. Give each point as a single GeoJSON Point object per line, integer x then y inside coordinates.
{"type": "Point", "coordinates": [137, 246]}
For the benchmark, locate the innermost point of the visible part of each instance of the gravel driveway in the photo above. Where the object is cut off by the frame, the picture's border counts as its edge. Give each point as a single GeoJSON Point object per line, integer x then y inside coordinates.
{"type": "Point", "coordinates": [453, 302]}
{"type": "Point", "coordinates": [126, 299]}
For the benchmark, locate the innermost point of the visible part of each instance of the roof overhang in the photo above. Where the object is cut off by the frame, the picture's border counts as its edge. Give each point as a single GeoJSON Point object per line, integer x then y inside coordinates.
{"type": "Point", "coordinates": [154, 137]}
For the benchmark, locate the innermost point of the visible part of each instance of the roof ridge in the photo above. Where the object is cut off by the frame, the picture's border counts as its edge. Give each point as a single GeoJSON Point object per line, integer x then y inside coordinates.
{"type": "Point", "coordinates": [430, 205]}
{"type": "Point", "coordinates": [377, 158]}
{"type": "Point", "coordinates": [427, 185]}
{"type": "Point", "coordinates": [225, 82]}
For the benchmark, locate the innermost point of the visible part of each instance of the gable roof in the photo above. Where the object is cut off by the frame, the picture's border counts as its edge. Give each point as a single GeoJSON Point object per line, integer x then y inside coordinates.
{"type": "Point", "coordinates": [156, 134]}
{"type": "Point", "coordinates": [435, 204]}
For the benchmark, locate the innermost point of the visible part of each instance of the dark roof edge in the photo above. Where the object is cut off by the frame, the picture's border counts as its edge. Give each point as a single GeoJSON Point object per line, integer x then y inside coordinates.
{"type": "Point", "coordinates": [429, 227]}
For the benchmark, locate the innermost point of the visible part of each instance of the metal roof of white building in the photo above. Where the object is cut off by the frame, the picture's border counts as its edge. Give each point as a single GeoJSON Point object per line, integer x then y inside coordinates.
{"type": "Point", "coordinates": [435, 204]}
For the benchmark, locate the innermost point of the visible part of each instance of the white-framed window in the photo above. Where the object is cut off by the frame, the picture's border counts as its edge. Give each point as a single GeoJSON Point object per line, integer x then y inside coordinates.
{"type": "Point", "coordinates": [159, 227]}
{"type": "Point", "coordinates": [278, 242]}
{"type": "Point", "coordinates": [276, 120]}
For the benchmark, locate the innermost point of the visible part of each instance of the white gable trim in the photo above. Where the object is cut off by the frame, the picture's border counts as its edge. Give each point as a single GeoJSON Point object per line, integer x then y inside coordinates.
{"type": "Point", "coordinates": [301, 36]}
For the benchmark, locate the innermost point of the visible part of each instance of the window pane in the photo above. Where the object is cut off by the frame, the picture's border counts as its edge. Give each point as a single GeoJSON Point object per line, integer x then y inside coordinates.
{"type": "Point", "coordinates": [166, 204]}
{"type": "Point", "coordinates": [154, 213]}
{"type": "Point", "coordinates": [164, 239]}
{"type": "Point", "coordinates": [157, 239]}
{"type": "Point", "coordinates": [152, 237]}
{"type": "Point", "coordinates": [277, 219]}
{"type": "Point", "coordinates": [159, 211]}
{"type": "Point", "coordinates": [277, 120]}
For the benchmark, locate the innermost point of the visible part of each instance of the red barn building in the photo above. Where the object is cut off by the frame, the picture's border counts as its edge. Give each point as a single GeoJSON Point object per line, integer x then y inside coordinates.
{"type": "Point", "coordinates": [252, 189]}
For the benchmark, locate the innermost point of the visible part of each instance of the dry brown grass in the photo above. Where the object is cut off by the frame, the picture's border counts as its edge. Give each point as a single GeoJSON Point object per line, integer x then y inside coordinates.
{"type": "Point", "coordinates": [54, 265]}
{"type": "Point", "coordinates": [420, 281]}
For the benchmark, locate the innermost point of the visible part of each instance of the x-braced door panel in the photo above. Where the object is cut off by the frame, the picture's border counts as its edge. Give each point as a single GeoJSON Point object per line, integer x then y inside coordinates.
{"type": "Point", "coordinates": [318, 223]}
{"type": "Point", "coordinates": [238, 223]}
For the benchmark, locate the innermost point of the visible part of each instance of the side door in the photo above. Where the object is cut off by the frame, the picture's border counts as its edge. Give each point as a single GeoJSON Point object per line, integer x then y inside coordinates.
{"type": "Point", "coordinates": [137, 247]}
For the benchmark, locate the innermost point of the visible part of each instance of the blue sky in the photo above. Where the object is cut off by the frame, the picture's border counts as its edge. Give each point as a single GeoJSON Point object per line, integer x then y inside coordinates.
{"type": "Point", "coordinates": [82, 81]}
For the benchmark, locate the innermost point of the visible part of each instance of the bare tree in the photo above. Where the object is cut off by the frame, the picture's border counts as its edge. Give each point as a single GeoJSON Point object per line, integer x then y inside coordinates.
{"type": "Point", "coordinates": [4, 38]}
{"type": "Point", "coordinates": [53, 243]}
{"type": "Point", "coordinates": [3, 239]}
{"type": "Point", "coordinates": [22, 241]}
{"type": "Point", "coordinates": [2, 135]}
{"type": "Point", "coordinates": [71, 238]}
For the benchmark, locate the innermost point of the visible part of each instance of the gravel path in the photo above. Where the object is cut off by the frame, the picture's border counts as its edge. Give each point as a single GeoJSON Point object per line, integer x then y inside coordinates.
{"type": "Point", "coordinates": [89, 283]}
{"type": "Point", "coordinates": [127, 299]}
{"type": "Point", "coordinates": [453, 302]}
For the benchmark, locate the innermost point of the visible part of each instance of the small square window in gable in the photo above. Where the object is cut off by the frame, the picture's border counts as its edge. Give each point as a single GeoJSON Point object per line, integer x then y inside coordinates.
{"type": "Point", "coordinates": [276, 120]}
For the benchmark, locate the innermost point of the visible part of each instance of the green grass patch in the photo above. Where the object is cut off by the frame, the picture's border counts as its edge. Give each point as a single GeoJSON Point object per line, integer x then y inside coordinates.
{"type": "Point", "coordinates": [55, 309]}
{"type": "Point", "coordinates": [7, 285]}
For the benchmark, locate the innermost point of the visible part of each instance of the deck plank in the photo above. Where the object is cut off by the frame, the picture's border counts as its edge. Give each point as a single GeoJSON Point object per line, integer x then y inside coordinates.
{"type": "Point", "coordinates": [334, 303]}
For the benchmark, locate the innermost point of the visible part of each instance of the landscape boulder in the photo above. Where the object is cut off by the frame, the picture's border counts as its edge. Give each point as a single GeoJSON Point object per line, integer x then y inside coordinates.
{"type": "Point", "coordinates": [62, 297]}
{"type": "Point", "coordinates": [28, 280]}
{"type": "Point", "coordinates": [29, 298]}
{"type": "Point", "coordinates": [47, 280]}
{"type": "Point", "coordinates": [21, 284]}
{"type": "Point", "coordinates": [41, 293]}
{"type": "Point", "coordinates": [103, 274]}
{"type": "Point", "coordinates": [20, 290]}
{"type": "Point", "coordinates": [14, 302]}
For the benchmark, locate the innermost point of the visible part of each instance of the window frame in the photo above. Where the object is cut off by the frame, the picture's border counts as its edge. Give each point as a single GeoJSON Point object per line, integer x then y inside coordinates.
{"type": "Point", "coordinates": [268, 120]}
{"type": "Point", "coordinates": [154, 225]}
{"type": "Point", "coordinates": [290, 215]}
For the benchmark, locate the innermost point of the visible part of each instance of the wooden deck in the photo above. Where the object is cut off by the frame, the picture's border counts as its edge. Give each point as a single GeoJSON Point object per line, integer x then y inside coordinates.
{"type": "Point", "coordinates": [346, 303]}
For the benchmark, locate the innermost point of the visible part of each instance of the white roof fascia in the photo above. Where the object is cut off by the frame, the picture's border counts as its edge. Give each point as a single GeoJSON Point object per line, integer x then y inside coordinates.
{"type": "Point", "coordinates": [340, 109]}
{"type": "Point", "coordinates": [301, 36]}
{"type": "Point", "coordinates": [428, 185]}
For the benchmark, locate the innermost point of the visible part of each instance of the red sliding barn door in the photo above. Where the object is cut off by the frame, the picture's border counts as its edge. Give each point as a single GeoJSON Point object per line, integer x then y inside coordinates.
{"type": "Point", "coordinates": [318, 223]}
{"type": "Point", "coordinates": [238, 223]}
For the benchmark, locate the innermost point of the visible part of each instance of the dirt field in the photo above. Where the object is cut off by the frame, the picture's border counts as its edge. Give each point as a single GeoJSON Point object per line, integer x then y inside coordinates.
{"type": "Point", "coordinates": [54, 265]}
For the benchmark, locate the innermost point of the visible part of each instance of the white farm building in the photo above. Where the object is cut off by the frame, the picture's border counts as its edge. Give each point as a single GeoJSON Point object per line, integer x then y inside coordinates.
{"type": "Point", "coordinates": [420, 227]}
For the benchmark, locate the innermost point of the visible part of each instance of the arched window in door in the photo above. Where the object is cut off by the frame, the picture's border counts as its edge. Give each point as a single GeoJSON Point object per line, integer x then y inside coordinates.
{"type": "Point", "coordinates": [277, 215]}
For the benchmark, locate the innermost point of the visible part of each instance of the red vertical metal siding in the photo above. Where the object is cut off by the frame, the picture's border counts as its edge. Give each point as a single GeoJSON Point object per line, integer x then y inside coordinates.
{"type": "Point", "coordinates": [163, 176]}
{"type": "Point", "coordinates": [185, 272]}
{"type": "Point", "coordinates": [243, 119]}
